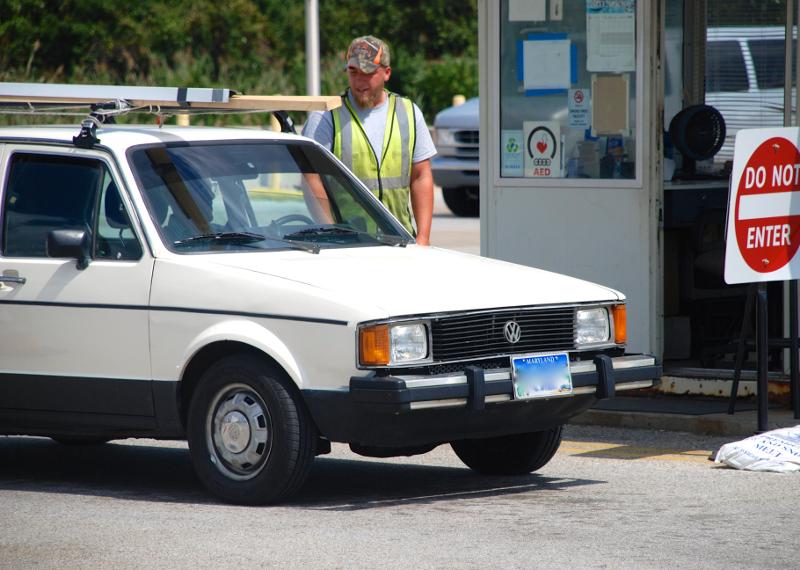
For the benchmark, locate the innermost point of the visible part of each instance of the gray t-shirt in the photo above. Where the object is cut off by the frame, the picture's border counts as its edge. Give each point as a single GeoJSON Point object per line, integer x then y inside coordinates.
{"type": "Point", "coordinates": [319, 127]}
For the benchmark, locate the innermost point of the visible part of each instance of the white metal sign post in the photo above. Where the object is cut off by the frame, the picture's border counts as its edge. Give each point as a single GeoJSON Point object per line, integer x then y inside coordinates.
{"type": "Point", "coordinates": [763, 229]}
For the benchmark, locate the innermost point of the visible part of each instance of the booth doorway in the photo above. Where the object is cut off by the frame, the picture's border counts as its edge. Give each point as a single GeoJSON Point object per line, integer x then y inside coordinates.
{"type": "Point", "coordinates": [722, 59]}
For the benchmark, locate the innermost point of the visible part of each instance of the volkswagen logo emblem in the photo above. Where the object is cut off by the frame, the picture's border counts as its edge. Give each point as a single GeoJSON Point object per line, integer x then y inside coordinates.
{"type": "Point", "coordinates": [512, 331]}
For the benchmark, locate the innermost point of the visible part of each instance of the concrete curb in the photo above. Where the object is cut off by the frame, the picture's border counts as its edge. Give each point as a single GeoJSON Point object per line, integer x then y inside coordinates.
{"type": "Point", "coordinates": [740, 424]}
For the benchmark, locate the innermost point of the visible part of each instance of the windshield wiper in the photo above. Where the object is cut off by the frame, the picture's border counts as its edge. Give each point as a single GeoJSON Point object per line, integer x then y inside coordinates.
{"type": "Point", "coordinates": [248, 237]}
{"type": "Point", "coordinates": [333, 230]}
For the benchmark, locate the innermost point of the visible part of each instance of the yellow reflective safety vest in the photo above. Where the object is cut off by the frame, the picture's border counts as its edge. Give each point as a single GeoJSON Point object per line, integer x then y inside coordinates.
{"type": "Point", "coordinates": [391, 181]}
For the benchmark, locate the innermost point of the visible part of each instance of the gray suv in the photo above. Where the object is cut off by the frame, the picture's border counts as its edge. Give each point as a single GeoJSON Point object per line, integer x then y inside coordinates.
{"type": "Point", "coordinates": [455, 168]}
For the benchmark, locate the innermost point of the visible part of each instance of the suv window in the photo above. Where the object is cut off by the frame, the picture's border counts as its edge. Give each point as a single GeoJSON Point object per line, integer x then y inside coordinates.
{"type": "Point", "coordinates": [46, 193]}
{"type": "Point", "coordinates": [768, 60]}
{"type": "Point", "coordinates": [725, 67]}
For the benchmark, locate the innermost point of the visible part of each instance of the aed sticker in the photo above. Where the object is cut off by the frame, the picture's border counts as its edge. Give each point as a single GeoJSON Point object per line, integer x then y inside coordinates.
{"type": "Point", "coordinates": [511, 153]}
{"type": "Point", "coordinates": [579, 108]}
{"type": "Point", "coordinates": [542, 149]}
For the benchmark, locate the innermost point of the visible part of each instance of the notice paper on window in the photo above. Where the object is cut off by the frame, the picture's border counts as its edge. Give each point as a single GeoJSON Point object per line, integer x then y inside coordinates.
{"type": "Point", "coordinates": [609, 104]}
{"type": "Point", "coordinates": [610, 35]}
{"type": "Point", "coordinates": [547, 63]}
{"type": "Point", "coordinates": [527, 10]}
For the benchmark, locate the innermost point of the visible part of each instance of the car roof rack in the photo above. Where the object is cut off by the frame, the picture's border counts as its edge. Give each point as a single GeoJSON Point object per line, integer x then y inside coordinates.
{"type": "Point", "coordinates": [109, 101]}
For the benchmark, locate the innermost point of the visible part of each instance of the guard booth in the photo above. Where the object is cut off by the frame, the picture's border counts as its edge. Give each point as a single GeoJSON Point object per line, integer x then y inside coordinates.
{"type": "Point", "coordinates": [607, 132]}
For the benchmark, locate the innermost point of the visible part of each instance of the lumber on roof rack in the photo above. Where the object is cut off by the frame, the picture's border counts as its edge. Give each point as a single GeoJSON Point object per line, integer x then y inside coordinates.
{"type": "Point", "coordinates": [174, 99]}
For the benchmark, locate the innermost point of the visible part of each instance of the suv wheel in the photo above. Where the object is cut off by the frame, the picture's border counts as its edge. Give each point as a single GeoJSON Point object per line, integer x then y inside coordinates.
{"type": "Point", "coordinates": [250, 440]}
{"type": "Point", "coordinates": [462, 201]}
{"type": "Point", "coordinates": [517, 454]}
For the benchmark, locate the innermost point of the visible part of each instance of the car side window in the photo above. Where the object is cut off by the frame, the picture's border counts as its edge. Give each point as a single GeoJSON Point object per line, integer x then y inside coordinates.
{"type": "Point", "coordinates": [115, 237]}
{"type": "Point", "coordinates": [768, 60]}
{"type": "Point", "coordinates": [725, 65]}
{"type": "Point", "coordinates": [46, 193]}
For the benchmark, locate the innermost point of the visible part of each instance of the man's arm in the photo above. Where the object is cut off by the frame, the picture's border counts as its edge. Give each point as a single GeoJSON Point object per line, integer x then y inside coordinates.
{"type": "Point", "coordinates": [422, 199]}
{"type": "Point", "coordinates": [316, 198]}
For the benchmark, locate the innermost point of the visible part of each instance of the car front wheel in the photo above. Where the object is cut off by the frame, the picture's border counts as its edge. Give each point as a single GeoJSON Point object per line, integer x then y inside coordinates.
{"type": "Point", "coordinates": [516, 454]}
{"type": "Point", "coordinates": [251, 441]}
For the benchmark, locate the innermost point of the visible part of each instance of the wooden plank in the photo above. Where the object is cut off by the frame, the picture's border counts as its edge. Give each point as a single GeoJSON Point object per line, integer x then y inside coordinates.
{"type": "Point", "coordinates": [264, 103]}
{"type": "Point", "coordinates": [281, 102]}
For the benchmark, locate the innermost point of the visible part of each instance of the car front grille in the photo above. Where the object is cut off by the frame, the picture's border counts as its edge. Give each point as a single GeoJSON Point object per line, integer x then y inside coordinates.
{"type": "Point", "coordinates": [466, 137]}
{"type": "Point", "coordinates": [481, 335]}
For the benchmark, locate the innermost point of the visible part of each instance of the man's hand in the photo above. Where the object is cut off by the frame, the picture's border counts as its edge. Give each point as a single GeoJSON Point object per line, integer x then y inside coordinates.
{"type": "Point", "coordinates": [422, 200]}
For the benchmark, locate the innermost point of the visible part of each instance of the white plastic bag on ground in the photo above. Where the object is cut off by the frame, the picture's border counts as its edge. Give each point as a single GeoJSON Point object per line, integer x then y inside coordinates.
{"type": "Point", "coordinates": [777, 450]}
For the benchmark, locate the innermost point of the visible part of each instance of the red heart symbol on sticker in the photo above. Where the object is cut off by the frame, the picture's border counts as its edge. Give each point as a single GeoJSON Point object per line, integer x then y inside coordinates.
{"type": "Point", "coordinates": [542, 146]}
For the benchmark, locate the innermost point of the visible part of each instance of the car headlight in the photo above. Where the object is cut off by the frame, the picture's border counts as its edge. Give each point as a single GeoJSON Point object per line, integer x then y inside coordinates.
{"type": "Point", "coordinates": [390, 344]}
{"type": "Point", "coordinates": [601, 325]}
{"type": "Point", "coordinates": [445, 137]}
{"type": "Point", "coordinates": [592, 326]}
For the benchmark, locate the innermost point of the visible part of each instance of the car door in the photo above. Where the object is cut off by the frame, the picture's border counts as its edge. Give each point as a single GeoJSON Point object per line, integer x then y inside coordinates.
{"type": "Point", "coordinates": [73, 336]}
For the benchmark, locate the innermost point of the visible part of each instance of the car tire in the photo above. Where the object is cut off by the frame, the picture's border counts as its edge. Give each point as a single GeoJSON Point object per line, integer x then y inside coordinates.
{"type": "Point", "coordinates": [251, 439]}
{"type": "Point", "coordinates": [462, 202]}
{"type": "Point", "coordinates": [517, 454]}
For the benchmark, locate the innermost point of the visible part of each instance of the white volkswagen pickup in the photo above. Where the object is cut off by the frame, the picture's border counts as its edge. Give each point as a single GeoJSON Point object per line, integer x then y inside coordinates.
{"type": "Point", "coordinates": [242, 290]}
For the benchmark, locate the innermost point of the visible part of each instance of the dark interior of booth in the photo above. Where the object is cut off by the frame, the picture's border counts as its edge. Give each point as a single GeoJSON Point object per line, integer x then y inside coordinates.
{"type": "Point", "coordinates": [723, 71]}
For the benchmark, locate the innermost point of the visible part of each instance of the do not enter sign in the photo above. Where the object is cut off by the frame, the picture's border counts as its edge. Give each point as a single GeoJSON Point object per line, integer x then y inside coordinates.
{"type": "Point", "coordinates": [764, 207]}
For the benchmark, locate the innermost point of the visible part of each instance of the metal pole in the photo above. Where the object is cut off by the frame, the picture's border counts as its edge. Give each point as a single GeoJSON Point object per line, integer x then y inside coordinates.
{"type": "Point", "coordinates": [794, 388]}
{"type": "Point", "coordinates": [762, 340]}
{"type": "Point", "coordinates": [788, 100]}
{"type": "Point", "coordinates": [740, 347]}
{"type": "Point", "coordinates": [795, 375]}
{"type": "Point", "coordinates": [312, 47]}
{"type": "Point", "coordinates": [787, 67]}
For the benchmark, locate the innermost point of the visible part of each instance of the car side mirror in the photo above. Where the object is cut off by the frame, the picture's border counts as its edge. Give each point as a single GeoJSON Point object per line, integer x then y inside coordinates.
{"type": "Point", "coordinates": [69, 243]}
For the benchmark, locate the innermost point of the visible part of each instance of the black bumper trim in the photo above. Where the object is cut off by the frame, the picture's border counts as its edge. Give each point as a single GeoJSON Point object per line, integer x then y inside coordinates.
{"type": "Point", "coordinates": [381, 410]}
{"type": "Point", "coordinates": [392, 390]}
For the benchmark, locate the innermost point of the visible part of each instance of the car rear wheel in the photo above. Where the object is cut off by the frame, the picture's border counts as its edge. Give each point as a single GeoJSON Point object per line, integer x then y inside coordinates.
{"type": "Point", "coordinates": [462, 201]}
{"type": "Point", "coordinates": [251, 440]}
{"type": "Point", "coordinates": [517, 454]}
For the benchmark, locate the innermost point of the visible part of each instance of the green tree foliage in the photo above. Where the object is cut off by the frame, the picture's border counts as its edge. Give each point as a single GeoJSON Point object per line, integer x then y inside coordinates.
{"type": "Point", "coordinates": [254, 46]}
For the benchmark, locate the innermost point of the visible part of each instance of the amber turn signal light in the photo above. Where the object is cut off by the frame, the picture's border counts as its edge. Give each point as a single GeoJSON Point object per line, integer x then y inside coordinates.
{"type": "Point", "coordinates": [620, 324]}
{"type": "Point", "coordinates": [374, 345]}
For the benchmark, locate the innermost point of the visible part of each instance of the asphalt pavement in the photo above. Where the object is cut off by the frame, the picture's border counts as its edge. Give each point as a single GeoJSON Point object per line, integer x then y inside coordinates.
{"type": "Point", "coordinates": [610, 498]}
{"type": "Point", "coordinates": [451, 232]}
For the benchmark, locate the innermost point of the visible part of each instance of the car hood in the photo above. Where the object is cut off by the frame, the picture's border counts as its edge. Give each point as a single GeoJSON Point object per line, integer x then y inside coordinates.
{"type": "Point", "coordinates": [414, 280]}
{"type": "Point", "coordinates": [465, 116]}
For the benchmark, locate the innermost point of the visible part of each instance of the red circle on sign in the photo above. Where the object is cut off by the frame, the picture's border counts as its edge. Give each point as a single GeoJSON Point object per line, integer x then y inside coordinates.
{"type": "Point", "coordinates": [578, 96]}
{"type": "Point", "coordinates": [768, 238]}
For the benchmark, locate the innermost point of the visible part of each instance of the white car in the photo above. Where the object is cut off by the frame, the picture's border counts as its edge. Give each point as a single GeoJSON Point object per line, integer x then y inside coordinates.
{"type": "Point", "coordinates": [241, 289]}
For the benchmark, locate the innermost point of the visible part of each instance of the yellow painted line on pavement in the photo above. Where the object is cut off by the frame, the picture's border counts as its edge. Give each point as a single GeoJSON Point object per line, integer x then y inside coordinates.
{"type": "Point", "coordinates": [632, 453]}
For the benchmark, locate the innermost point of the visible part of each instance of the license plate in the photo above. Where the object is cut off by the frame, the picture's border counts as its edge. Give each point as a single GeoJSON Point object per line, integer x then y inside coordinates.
{"type": "Point", "coordinates": [541, 375]}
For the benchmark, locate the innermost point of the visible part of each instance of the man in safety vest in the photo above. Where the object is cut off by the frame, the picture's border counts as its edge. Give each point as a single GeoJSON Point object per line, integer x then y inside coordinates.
{"type": "Point", "coordinates": [381, 137]}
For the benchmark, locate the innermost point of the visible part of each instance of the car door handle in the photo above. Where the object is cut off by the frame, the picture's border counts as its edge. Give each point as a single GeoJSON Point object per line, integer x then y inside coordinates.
{"type": "Point", "coordinates": [12, 279]}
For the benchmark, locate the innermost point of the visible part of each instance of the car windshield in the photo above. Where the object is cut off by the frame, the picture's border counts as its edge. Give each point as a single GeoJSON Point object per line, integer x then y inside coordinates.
{"type": "Point", "coordinates": [255, 196]}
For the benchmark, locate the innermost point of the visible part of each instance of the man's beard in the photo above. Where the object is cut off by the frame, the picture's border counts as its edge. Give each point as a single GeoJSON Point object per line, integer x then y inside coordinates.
{"type": "Point", "coordinates": [367, 100]}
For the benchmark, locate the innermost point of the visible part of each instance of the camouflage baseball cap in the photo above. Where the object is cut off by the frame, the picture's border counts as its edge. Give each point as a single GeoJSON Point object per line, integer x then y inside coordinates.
{"type": "Point", "coordinates": [367, 53]}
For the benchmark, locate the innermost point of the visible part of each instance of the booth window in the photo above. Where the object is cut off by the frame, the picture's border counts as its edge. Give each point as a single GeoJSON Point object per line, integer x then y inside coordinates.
{"type": "Point", "coordinates": [744, 67]}
{"type": "Point", "coordinates": [567, 85]}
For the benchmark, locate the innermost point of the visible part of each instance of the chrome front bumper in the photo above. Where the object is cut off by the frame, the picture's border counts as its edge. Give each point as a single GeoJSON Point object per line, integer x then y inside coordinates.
{"type": "Point", "coordinates": [475, 388]}
{"type": "Point", "coordinates": [408, 410]}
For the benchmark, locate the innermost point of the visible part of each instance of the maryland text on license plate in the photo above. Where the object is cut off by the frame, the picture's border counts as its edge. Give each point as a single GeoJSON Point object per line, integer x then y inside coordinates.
{"type": "Point", "coordinates": [541, 375]}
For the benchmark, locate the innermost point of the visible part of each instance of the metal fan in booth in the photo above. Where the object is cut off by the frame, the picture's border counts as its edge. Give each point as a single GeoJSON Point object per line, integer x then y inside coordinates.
{"type": "Point", "coordinates": [698, 132]}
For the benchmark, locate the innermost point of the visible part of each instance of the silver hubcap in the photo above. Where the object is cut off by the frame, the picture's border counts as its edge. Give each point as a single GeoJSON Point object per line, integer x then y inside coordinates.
{"type": "Point", "coordinates": [238, 430]}
{"type": "Point", "coordinates": [235, 432]}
